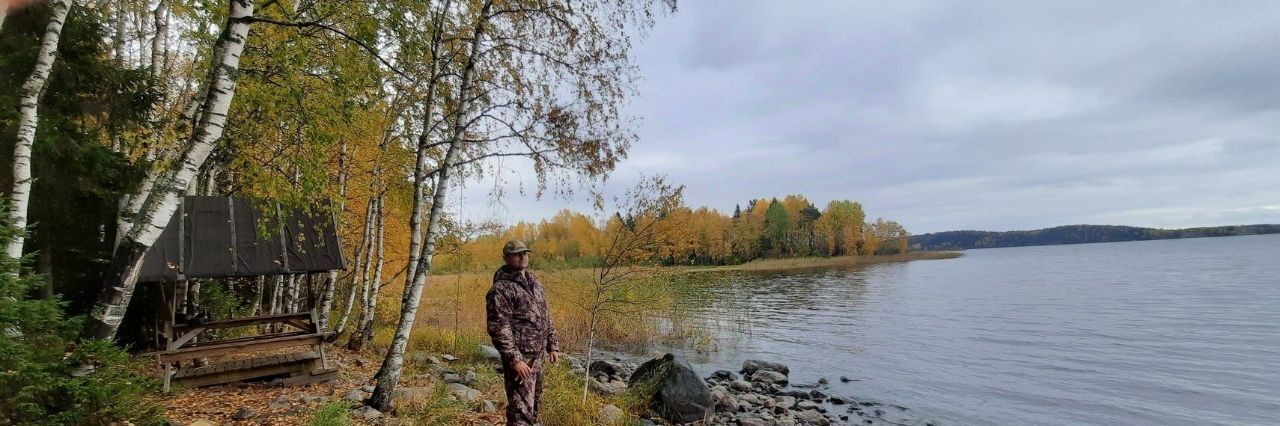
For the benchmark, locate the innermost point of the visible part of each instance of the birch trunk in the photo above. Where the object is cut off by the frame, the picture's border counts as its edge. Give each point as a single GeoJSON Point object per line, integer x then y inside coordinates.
{"type": "Point", "coordinates": [28, 119]}
{"type": "Point", "coordinates": [365, 331]}
{"type": "Point", "coordinates": [163, 201]}
{"type": "Point", "coordinates": [420, 162]}
{"type": "Point", "coordinates": [331, 279]}
{"type": "Point", "coordinates": [361, 252]}
{"type": "Point", "coordinates": [393, 365]}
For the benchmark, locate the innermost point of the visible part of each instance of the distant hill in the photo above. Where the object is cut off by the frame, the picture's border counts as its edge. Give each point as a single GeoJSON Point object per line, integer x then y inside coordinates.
{"type": "Point", "coordinates": [1073, 234]}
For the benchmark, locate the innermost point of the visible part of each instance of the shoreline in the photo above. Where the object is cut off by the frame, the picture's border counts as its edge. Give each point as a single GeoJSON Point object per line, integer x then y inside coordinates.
{"type": "Point", "coordinates": [784, 264]}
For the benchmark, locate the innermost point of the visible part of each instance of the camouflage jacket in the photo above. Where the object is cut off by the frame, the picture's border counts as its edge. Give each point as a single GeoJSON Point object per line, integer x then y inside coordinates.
{"type": "Point", "coordinates": [518, 319]}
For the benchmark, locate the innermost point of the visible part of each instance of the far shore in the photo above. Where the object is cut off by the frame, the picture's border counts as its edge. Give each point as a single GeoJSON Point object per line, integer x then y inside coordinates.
{"type": "Point", "coordinates": [819, 262]}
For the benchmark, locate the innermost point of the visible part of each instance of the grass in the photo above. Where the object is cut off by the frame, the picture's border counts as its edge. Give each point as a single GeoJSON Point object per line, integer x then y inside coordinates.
{"type": "Point", "coordinates": [331, 414]}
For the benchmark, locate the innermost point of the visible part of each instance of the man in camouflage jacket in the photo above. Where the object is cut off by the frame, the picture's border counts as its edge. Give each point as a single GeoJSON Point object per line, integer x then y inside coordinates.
{"type": "Point", "coordinates": [520, 326]}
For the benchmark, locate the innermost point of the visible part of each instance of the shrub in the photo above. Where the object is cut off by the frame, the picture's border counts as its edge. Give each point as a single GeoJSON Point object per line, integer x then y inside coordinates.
{"type": "Point", "coordinates": [47, 377]}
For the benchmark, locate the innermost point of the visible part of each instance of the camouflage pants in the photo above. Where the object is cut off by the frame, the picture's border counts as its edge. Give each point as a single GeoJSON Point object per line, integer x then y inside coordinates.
{"type": "Point", "coordinates": [523, 396]}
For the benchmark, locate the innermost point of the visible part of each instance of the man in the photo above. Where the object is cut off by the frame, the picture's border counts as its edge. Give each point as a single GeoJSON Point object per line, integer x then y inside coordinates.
{"type": "Point", "coordinates": [520, 326]}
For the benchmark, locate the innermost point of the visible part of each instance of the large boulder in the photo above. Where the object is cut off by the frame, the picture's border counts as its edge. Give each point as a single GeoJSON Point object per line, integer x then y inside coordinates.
{"type": "Point", "coordinates": [750, 366]}
{"type": "Point", "coordinates": [674, 390]}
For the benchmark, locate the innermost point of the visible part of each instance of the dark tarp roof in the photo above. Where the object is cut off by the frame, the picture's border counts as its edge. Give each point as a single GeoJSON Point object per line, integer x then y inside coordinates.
{"type": "Point", "coordinates": [213, 237]}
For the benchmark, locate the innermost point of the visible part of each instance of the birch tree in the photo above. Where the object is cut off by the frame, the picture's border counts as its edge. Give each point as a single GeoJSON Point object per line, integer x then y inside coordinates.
{"type": "Point", "coordinates": [29, 118]}
{"type": "Point", "coordinates": [172, 182]}
{"type": "Point", "coordinates": [541, 80]}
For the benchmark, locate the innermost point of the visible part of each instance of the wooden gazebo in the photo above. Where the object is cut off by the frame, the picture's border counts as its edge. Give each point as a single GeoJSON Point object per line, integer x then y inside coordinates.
{"type": "Point", "coordinates": [225, 237]}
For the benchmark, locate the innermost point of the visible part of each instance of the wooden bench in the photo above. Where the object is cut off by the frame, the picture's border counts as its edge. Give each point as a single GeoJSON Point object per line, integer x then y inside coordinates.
{"type": "Point", "coordinates": [302, 367]}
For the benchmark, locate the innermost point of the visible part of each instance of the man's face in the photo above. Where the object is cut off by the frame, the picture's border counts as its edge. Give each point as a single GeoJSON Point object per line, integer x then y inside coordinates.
{"type": "Point", "coordinates": [517, 261]}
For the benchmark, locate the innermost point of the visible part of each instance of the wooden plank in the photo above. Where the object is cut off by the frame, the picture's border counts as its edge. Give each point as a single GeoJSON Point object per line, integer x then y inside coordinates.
{"type": "Point", "coordinates": [247, 321]}
{"type": "Point", "coordinates": [240, 347]}
{"type": "Point", "coordinates": [243, 339]}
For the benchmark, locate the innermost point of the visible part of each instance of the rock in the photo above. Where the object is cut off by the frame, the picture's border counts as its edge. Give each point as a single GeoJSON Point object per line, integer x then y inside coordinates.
{"type": "Point", "coordinates": [837, 400]}
{"type": "Point", "coordinates": [844, 379]}
{"type": "Point", "coordinates": [796, 394]}
{"type": "Point", "coordinates": [750, 366]}
{"type": "Point", "coordinates": [315, 399]}
{"type": "Point", "coordinates": [807, 405]}
{"type": "Point", "coordinates": [449, 358]}
{"type": "Point", "coordinates": [786, 402]}
{"type": "Point", "coordinates": [355, 396]}
{"type": "Point", "coordinates": [822, 380]}
{"type": "Point", "coordinates": [361, 362]}
{"type": "Point", "coordinates": [608, 388]}
{"type": "Point", "coordinates": [202, 422]}
{"type": "Point", "coordinates": [244, 413]}
{"type": "Point", "coordinates": [469, 378]}
{"type": "Point", "coordinates": [488, 406]}
{"type": "Point", "coordinates": [367, 388]}
{"type": "Point", "coordinates": [740, 385]}
{"type": "Point", "coordinates": [749, 420]}
{"type": "Point", "coordinates": [726, 403]}
{"type": "Point", "coordinates": [171, 422]}
{"type": "Point", "coordinates": [451, 378]}
{"type": "Point", "coordinates": [769, 376]}
{"type": "Point", "coordinates": [281, 402]}
{"type": "Point", "coordinates": [724, 375]}
{"type": "Point", "coordinates": [464, 393]}
{"type": "Point", "coordinates": [810, 417]}
{"type": "Point", "coordinates": [611, 414]}
{"type": "Point", "coordinates": [647, 422]}
{"type": "Point", "coordinates": [366, 412]}
{"type": "Point", "coordinates": [489, 352]}
{"type": "Point", "coordinates": [679, 395]}
{"type": "Point", "coordinates": [817, 395]}
{"type": "Point", "coordinates": [604, 367]}
{"type": "Point", "coordinates": [410, 394]}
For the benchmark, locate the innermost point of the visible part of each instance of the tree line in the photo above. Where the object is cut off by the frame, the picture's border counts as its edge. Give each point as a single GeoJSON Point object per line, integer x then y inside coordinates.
{"type": "Point", "coordinates": [767, 228]}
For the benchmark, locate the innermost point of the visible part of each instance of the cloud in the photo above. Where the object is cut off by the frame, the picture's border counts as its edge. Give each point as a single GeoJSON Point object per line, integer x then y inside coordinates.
{"type": "Point", "coordinates": [962, 115]}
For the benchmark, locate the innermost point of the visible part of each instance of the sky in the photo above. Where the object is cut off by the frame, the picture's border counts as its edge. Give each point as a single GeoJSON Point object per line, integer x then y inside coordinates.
{"type": "Point", "coordinates": [994, 115]}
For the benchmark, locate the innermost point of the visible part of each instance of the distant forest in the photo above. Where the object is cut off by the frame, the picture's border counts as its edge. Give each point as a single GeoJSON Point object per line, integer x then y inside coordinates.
{"type": "Point", "coordinates": [1074, 234]}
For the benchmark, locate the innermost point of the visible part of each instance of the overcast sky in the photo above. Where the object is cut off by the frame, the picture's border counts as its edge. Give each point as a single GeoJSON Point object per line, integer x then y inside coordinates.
{"type": "Point", "coordinates": [958, 115]}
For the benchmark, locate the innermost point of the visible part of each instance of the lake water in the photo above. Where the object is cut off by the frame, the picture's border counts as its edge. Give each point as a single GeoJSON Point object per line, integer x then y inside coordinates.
{"type": "Point", "coordinates": [1153, 332]}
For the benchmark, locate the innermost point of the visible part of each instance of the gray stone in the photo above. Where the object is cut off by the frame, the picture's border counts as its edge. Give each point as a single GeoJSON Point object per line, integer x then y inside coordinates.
{"type": "Point", "coordinates": [844, 379]}
{"type": "Point", "coordinates": [786, 402]}
{"type": "Point", "coordinates": [469, 378]}
{"type": "Point", "coordinates": [740, 385]}
{"type": "Point", "coordinates": [726, 403]}
{"type": "Point", "coordinates": [315, 399]}
{"type": "Point", "coordinates": [810, 417]}
{"type": "Point", "coordinates": [202, 422]}
{"type": "Point", "coordinates": [366, 412]}
{"type": "Point", "coordinates": [608, 388]}
{"type": "Point", "coordinates": [750, 366]}
{"type": "Point", "coordinates": [837, 400]}
{"type": "Point", "coordinates": [367, 388]}
{"type": "Point", "coordinates": [489, 352]}
{"type": "Point", "coordinates": [605, 367]}
{"type": "Point", "coordinates": [449, 358]}
{"type": "Point", "coordinates": [725, 375]}
{"type": "Point", "coordinates": [488, 406]}
{"type": "Point", "coordinates": [769, 376]}
{"type": "Point", "coordinates": [807, 405]}
{"type": "Point", "coordinates": [464, 393]}
{"type": "Point", "coordinates": [244, 413]}
{"type": "Point", "coordinates": [355, 396]}
{"type": "Point", "coordinates": [822, 381]}
{"type": "Point", "coordinates": [611, 414]}
{"type": "Point", "coordinates": [750, 420]}
{"type": "Point", "coordinates": [680, 395]}
{"type": "Point", "coordinates": [451, 378]}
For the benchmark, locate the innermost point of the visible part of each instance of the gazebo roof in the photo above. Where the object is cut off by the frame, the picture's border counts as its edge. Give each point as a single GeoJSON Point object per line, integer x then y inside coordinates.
{"type": "Point", "coordinates": [216, 237]}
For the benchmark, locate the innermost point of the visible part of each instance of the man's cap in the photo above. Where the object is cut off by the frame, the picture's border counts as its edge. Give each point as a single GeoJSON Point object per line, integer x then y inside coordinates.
{"type": "Point", "coordinates": [514, 246]}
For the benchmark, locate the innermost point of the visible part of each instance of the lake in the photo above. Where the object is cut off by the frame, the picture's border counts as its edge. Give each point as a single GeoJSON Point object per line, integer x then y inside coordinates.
{"type": "Point", "coordinates": [1152, 332]}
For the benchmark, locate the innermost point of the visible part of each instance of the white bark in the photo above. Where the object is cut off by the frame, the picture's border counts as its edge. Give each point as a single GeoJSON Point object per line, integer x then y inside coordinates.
{"type": "Point", "coordinates": [356, 281]}
{"type": "Point", "coordinates": [393, 365]}
{"type": "Point", "coordinates": [364, 332]}
{"type": "Point", "coordinates": [331, 279]}
{"type": "Point", "coordinates": [165, 196]}
{"type": "Point", "coordinates": [28, 118]}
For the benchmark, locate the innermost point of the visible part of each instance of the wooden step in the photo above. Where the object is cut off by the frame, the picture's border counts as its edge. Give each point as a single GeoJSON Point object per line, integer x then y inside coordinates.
{"type": "Point", "coordinates": [292, 364]}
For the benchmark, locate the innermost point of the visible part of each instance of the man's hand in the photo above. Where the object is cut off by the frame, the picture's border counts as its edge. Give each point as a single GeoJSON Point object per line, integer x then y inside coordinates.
{"type": "Point", "coordinates": [522, 370]}
{"type": "Point", "coordinates": [555, 357]}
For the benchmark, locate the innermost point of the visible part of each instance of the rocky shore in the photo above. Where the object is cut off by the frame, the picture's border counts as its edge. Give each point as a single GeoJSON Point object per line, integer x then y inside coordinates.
{"type": "Point", "coordinates": [759, 394]}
